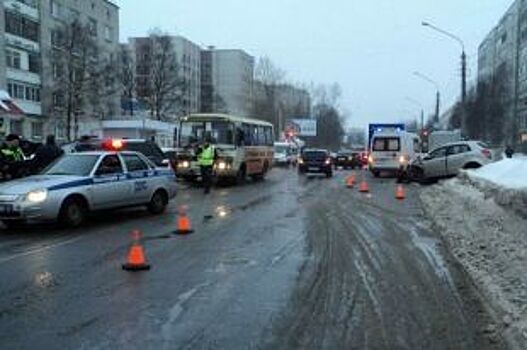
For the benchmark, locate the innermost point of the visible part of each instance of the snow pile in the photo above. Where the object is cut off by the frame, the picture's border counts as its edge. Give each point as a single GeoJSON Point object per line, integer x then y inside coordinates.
{"type": "Point", "coordinates": [507, 173]}
{"type": "Point", "coordinates": [490, 242]}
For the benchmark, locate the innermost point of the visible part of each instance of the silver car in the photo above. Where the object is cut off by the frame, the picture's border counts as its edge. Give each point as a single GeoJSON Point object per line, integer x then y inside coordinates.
{"type": "Point", "coordinates": [82, 182]}
{"type": "Point", "coordinates": [447, 160]}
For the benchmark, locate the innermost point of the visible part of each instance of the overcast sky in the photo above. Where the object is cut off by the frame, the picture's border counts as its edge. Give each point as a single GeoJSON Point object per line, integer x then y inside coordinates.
{"type": "Point", "coordinates": [370, 47]}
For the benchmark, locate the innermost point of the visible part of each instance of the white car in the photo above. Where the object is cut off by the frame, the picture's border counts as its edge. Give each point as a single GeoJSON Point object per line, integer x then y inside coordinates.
{"type": "Point", "coordinates": [79, 183]}
{"type": "Point", "coordinates": [448, 159]}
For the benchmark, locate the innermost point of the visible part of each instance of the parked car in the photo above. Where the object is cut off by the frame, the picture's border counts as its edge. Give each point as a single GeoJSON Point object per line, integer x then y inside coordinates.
{"type": "Point", "coordinates": [348, 160]}
{"type": "Point", "coordinates": [148, 148]}
{"type": "Point", "coordinates": [448, 160]}
{"type": "Point", "coordinates": [315, 161]}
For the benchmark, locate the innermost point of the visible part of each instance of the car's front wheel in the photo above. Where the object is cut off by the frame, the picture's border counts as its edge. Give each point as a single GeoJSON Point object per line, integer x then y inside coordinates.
{"type": "Point", "coordinates": [158, 203]}
{"type": "Point", "coordinates": [73, 212]}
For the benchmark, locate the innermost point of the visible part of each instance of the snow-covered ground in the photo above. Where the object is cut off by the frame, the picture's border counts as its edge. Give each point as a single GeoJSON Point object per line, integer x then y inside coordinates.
{"type": "Point", "coordinates": [490, 242]}
{"type": "Point", "coordinates": [507, 173]}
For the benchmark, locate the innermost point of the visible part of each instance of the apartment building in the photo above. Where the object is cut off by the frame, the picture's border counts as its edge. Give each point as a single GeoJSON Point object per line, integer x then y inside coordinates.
{"type": "Point", "coordinates": [502, 60]}
{"type": "Point", "coordinates": [188, 62]}
{"type": "Point", "coordinates": [26, 58]}
{"type": "Point", "coordinates": [227, 81]}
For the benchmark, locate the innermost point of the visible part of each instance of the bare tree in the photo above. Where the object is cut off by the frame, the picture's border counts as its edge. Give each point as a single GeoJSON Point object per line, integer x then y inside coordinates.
{"type": "Point", "coordinates": [128, 78]}
{"type": "Point", "coordinates": [83, 79]}
{"type": "Point", "coordinates": [266, 104]}
{"type": "Point", "coordinates": [165, 89]}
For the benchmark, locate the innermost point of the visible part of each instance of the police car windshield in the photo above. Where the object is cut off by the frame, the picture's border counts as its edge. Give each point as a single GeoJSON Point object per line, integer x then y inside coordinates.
{"type": "Point", "coordinates": [75, 165]}
{"type": "Point", "coordinates": [196, 132]}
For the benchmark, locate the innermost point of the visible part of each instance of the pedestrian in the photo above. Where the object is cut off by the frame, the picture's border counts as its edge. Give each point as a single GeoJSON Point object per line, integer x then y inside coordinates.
{"type": "Point", "coordinates": [509, 151]}
{"type": "Point", "coordinates": [206, 158]}
{"type": "Point", "coordinates": [46, 154]}
{"type": "Point", "coordinates": [12, 157]}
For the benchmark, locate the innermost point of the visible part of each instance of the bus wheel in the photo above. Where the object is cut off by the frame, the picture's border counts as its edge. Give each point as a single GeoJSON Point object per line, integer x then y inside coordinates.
{"type": "Point", "coordinates": [241, 176]}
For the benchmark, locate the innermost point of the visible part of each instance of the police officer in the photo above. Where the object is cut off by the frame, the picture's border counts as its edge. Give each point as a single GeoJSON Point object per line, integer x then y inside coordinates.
{"type": "Point", "coordinates": [206, 161]}
{"type": "Point", "coordinates": [12, 157]}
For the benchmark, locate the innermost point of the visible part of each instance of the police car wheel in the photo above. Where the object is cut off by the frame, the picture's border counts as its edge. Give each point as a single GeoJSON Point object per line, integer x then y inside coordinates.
{"type": "Point", "coordinates": [73, 212]}
{"type": "Point", "coordinates": [158, 203]}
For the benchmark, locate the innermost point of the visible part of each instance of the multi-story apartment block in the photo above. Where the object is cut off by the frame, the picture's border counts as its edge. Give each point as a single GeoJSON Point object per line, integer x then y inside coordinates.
{"type": "Point", "coordinates": [188, 63]}
{"type": "Point", "coordinates": [502, 61]}
{"type": "Point", "coordinates": [26, 57]}
{"type": "Point", "coordinates": [227, 81]}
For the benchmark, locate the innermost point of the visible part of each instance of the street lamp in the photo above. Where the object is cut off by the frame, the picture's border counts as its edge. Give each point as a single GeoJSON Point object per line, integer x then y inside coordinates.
{"type": "Point", "coordinates": [438, 95]}
{"type": "Point", "coordinates": [463, 57]}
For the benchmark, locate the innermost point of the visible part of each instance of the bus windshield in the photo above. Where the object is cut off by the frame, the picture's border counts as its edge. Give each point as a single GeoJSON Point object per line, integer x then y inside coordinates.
{"type": "Point", "coordinates": [220, 132]}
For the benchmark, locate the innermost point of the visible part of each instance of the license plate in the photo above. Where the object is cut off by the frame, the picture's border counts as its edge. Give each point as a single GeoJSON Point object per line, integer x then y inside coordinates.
{"type": "Point", "coordinates": [313, 168]}
{"type": "Point", "coordinates": [6, 209]}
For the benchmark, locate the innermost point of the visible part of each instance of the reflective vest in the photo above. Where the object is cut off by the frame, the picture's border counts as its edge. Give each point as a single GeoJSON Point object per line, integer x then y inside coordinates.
{"type": "Point", "coordinates": [206, 158]}
{"type": "Point", "coordinates": [11, 155]}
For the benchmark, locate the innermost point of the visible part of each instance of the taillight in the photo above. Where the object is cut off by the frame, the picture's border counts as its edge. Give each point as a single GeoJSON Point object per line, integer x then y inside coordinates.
{"type": "Point", "coordinates": [487, 153]}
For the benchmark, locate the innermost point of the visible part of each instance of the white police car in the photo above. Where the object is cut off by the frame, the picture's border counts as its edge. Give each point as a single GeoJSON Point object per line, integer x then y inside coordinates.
{"type": "Point", "coordinates": [82, 182]}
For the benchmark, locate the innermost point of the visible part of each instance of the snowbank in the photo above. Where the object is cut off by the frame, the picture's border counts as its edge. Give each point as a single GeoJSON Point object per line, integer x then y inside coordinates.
{"type": "Point", "coordinates": [490, 243]}
{"type": "Point", "coordinates": [507, 173]}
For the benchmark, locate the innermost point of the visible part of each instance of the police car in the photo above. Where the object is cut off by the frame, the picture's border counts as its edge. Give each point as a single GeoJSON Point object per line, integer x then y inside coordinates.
{"type": "Point", "coordinates": [79, 183]}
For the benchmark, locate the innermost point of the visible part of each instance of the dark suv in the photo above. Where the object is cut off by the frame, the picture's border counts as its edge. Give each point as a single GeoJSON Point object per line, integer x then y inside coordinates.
{"type": "Point", "coordinates": [317, 161]}
{"type": "Point", "coordinates": [348, 160]}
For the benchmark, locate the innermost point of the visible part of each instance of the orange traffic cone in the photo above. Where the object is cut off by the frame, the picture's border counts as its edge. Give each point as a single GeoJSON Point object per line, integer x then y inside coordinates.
{"type": "Point", "coordinates": [135, 260]}
{"type": "Point", "coordinates": [399, 192]}
{"type": "Point", "coordinates": [350, 181]}
{"type": "Point", "coordinates": [364, 187]}
{"type": "Point", "coordinates": [183, 223]}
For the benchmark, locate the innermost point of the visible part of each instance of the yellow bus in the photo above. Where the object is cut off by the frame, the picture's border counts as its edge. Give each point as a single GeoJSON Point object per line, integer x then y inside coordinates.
{"type": "Point", "coordinates": [244, 146]}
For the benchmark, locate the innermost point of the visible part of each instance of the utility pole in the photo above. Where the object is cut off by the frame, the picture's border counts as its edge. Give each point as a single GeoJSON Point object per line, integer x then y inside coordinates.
{"type": "Point", "coordinates": [463, 77]}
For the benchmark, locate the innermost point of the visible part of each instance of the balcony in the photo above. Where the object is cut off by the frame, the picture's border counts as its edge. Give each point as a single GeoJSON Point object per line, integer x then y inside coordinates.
{"type": "Point", "coordinates": [20, 7]}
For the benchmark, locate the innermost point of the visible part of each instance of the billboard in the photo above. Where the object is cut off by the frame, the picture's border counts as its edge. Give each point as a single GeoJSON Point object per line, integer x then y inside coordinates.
{"type": "Point", "coordinates": [302, 127]}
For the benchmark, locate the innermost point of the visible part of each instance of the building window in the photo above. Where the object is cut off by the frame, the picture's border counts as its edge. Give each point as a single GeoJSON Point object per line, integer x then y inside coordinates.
{"type": "Point", "coordinates": [23, 91]}
{"type": "Point", "coordinates": [13, 59]}
{"type": "Point", "coordinates": [108, 33]}
{"type": "Point", "coordinates": [16, 127]}
{"type": "Point", "coordinates": [57, 70]}
{"type": "Point", "coordinates": [55, 9]}
{"type": "Point", "coordinates": [92, 26]}
{"type": "Point", "coordinates": [37, 130]}
{"type": "Point", "coordinates": [34, 63]}
{"type": "Point", "coordinates": [21, 26]}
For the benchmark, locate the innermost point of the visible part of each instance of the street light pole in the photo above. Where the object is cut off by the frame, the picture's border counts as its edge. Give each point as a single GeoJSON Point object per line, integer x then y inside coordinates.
{"type": "Point", "coordinates": [438, 94]}
{"type": "Point", "coordinates": [463, 57]}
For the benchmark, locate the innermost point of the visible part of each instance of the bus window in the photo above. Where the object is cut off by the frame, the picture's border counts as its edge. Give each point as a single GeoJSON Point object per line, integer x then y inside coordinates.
{"type": "Point", "coordinates": [269, 139]}
{"type": "Point", "coordinates": [261, 136]}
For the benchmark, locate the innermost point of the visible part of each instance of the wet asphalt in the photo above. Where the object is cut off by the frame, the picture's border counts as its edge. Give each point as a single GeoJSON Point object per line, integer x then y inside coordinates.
{"type": "Point", "coordinates": [292, 262]}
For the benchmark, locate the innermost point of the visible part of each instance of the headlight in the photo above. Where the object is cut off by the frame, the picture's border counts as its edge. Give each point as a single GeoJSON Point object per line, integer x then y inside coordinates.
{"type": "Point", "coordinates": [300, 161]}
{"type": "Point", "coordinates": [402, 159]}
{"type": "Point", "coordinates": [37, 196]}
{"type": "Point", "coordinates": [184, 164]}
{"type": "Point", "coordinates": [222, 166]}
{"type": "Point", "coordinates": [370, 159]}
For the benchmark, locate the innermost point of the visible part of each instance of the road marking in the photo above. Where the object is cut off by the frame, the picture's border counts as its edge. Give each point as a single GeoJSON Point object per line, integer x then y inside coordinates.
{"type": "Point", "coordinates": [39, 250]}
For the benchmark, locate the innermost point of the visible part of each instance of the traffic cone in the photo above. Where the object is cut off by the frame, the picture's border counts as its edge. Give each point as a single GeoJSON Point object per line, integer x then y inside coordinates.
{"type": "Point", "coordinates": [399, 192]}
{"type": "Point", "coordinates": [350, 181]}
{"type": "Point", "coordinates": [135, 260]}
{"type": "Point", "coordinates": [183, 223]}
{"type": "Point", "coordinates": [364, 188]}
